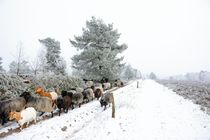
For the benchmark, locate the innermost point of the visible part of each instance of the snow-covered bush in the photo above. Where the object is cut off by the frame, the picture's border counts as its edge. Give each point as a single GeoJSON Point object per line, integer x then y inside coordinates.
{"type": "Point", "coordinates": [50, 81]}
{"type": "Point", "coordinates": [11, 86]}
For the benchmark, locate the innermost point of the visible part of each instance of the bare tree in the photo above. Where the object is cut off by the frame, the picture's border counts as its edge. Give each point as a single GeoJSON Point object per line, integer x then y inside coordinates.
{"type": "Point", "coordinates": [19, 65]}
{"type": "Point", "coordinates": [38, 64]}
{"type": "Point", "coordinates": [42, 60]}
{"type": "Point", "coordinates": [19, 56]}
{"type": "Point", "coordinates": [35, 66]}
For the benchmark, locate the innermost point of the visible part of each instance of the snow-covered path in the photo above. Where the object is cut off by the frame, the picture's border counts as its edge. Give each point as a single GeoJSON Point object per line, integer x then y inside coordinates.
{"type": "Point", "coordinates": [151, 112]}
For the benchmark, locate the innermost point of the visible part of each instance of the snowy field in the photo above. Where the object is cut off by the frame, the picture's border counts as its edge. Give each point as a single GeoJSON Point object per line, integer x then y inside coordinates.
{"type": "Point", "coordinates": [150, 112]}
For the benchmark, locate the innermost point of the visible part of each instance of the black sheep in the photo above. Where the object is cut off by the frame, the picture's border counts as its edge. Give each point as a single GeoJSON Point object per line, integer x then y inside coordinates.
{"type": "Point", "coordinates": [65, 101]}
{"type": "Point", "coordinates": [6, 106]}
{"type": "Point", "coordinates": [106, 99]}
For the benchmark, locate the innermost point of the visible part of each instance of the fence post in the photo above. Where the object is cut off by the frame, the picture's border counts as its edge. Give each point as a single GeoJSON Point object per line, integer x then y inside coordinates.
{"type": "Point", "coordinates": [113, 106]}
{"type": "Point", "coordinates": [137, 84]}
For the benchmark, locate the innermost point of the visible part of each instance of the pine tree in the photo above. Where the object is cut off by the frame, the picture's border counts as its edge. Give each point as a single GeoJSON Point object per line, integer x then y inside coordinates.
{"type": "Point", "coordinates": [129, 73]}
{"type": "Point", "coordinates": [54, 62]}
{"type": "Point", "coordinates": [152, 76]}
{"type": "Point", "coordinates": [99, 49]}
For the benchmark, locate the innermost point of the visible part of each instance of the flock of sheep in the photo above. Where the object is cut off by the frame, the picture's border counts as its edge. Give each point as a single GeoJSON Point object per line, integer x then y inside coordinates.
{"type": "Point", "coordinates": [25, 107]}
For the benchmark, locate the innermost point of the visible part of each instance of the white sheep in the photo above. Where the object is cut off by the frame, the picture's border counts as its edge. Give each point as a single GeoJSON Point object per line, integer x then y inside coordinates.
{"type": "Point", "coordinates": [54, 95]}
{"type": "Point", "coordinates": [89, 84]}
{"type": "Point", "coordinates": [106, 86]}
{"type": "Point", "coordinates": [25, 116]}
{"type": "Point", "coordinates": [79, 90]}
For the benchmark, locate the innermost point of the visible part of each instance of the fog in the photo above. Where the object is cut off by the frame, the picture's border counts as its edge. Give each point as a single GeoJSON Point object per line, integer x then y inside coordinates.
{"type": "Point", "coordinates": [167, 37]}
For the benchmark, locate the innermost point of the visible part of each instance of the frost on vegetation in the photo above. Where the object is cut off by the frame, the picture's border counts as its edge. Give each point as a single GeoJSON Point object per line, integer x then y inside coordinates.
{"type": "Point", "coordinates": [99, 51]}
{"type": "Point", "coordinates": [11, 86]}
{"type": "Point", "coordinates": [50, 81]}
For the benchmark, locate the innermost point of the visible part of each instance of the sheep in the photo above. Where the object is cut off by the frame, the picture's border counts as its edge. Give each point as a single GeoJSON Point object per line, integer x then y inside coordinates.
{"type": "Point", "coordinates": [60, 104]}
{"type": "Point", "coordinates": [41, 92]}
{"type": "Point", "coordinates": [72, 90]}
{"type": "Point", "coordinates": [6, 106]}
{"type": "Point", "coordinates": [106, 99]}
{"type": "Point", "coordinates": [88, 83]}
{"type": "Point", "coordinates": [88, 95]}
{"type": "Point", "coordinates": [41, 104]}
{"type": "Point", "coordinates": [98, 85]}
{"type": "Point", "coordinates": [79, 90]}
{"type": "Point", "coordinates": [98, 93]}
{"type": "Point", "coordinates": [25, 116]}
{"type": "Point", "coordinates": [98, 90]}
{"type": "Point", "coordinates": [104, 80]}
{"type": "Point", "coordinates": [118, 83]}
{"type": "Point", "coordinates": [52, 95]}
{"type": "Point", "coordinates": [64, 101]}
{"type": "Point", "coordinates": [77, 99]}
{"type": "Point", "coordinates": [106, 86]}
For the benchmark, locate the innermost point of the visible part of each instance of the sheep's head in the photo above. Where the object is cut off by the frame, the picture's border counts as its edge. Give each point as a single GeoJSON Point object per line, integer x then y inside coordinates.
{"type": "Point", "coordinates": [26, 95]}
{"type": "Point", "coordinates": [63, 93]}
{"type": "Point", "coordinates": [39, 90]}
{"type": "Point", "coordinates": [11, 115]}
{"type": "Point", "coordinates": [103, 102]}
{"type": "Point", "coordinates": [14, 115]}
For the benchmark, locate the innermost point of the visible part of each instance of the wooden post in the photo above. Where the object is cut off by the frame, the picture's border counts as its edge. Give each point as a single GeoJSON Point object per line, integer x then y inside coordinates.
{"type": "Point", "coordinates": [113, 106]}
{"type": "Point", "coordinates": [137, 84]}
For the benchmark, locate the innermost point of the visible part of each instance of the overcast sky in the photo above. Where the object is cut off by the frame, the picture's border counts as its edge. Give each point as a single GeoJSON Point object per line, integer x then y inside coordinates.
{"type": "Point", "coordinates": [167, 37]}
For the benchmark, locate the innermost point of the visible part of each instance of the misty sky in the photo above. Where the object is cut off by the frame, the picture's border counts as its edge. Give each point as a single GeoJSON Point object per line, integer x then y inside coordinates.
{"type": "Point", "coordinates": [167, 37]}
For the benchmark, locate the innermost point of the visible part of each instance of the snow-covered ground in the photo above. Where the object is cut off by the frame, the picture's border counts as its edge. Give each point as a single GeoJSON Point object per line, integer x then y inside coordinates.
{"type": "Point", "coordinates": [150, 112]}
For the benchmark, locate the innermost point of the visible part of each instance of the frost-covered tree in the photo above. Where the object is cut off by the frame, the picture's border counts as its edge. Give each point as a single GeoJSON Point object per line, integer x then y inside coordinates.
{"type": "Point", "coordinates": [19, 68]}
{"type": "Point", "coordinates": [152, 76]}
{"type": "Point", "coordinates": [54, 62]}
{"type": "Point", "coordinates": [204, 76]}
{"type": "Point", "coordinates": [193, 76]}
{"type": "Point", "coordinates": [42, 60]}
{"type": "Point", "coordinates": [35, 66]}
{"type": "Point", "coordinates": [39, 63]}
{"type": "Point", "coordinates": [128, 73]}
{"type": "Point", "coordinates": [19, 58]}
{"type": "Point", "coordinates": [98, 46]}
{"type": "Point", "coordinates": [1, 68]}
